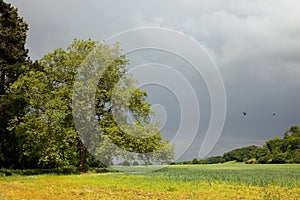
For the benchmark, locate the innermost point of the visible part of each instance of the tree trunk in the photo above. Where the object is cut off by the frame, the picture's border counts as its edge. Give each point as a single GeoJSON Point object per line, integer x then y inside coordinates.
{"type": "Point", "coordinates": [82, 155]}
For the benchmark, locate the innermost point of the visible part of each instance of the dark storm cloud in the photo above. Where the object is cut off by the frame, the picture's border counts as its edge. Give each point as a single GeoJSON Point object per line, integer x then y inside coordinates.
{"type": "Point", "coordinates": [255, 44]}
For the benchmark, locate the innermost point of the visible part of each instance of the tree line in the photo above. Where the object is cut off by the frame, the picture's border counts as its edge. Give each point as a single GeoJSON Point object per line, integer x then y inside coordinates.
{"type": "Point", "coordinates": [37, 128]}
{"type": "Point", "coordinates": [274, 151]}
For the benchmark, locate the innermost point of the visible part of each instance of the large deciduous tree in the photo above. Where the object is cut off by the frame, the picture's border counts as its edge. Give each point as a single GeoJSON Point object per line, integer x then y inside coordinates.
{"type": "Point", "coordinates": [13, 56]}
{"type": "Point", "coordinates": [49, 136]}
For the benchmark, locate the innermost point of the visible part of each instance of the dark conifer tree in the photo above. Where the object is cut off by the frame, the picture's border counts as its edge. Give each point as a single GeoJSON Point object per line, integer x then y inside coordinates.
{"type": "Point", "coordinates": [13, 58]}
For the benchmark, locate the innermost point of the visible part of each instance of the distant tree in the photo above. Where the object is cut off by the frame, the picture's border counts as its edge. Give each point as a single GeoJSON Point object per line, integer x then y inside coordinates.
{"type": "Point", "coordinates": [283, 150]}
{"type": "Point", "coordinates": [13, 59]}
{"type": "Point", "coordinates": [275, 145]}
{"type": "Point", "coordinates": [241, 154]}
{"type": "Point", "coordinates": [295, 156]}
{"type": "Point", "coordinates": [260, 152]}
{"type": "Point", "coordinates": [195, 161]}
{"type": "Point", "coordinates": [276, 150]}
{"type": "Point", "coordinates": [212, 160]}
{"type": "Point", "coordinates": [293, 130]}
{"type": "Point", "coordinates": [186, 162]}
{"type": "Point", "coordinates": [278, 158]}
{"type": "Point", "coordinates": [292, 143]}
{"type": "Point", "coordinates": [126, 163]}
{"type": "Point", "coordinates": [135, 163]}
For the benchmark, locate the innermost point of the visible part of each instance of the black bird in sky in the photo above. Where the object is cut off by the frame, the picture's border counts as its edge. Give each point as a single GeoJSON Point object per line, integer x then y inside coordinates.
{"type": "Point", "coordinates": [274, 114]}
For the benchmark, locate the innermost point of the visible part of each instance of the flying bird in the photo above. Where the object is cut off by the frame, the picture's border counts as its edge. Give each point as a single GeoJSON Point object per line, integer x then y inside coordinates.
{"type": "Point", "coordinates": [274, 114]}
{"type": "Point", "coordinates": [244, 113]}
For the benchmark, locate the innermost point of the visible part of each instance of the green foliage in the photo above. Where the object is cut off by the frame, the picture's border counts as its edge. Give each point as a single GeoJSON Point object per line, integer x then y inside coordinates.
{"type": "Point", "coordinates": [195, 161]}
{"type": "Point", "coordinates": [241, 154]}
{"type": "Point", "coordinates": [187, 162]}
{"type": "Point", "coordinates": [58, 171]}
{"type": "Point", "coordinates": [283, 150]}
{"type": "Point", "coordinates": [212, 160]}
{"type": "Point", "coordinates": [47, 131]}
{"type": "Point", "coordinates": [126, 163]}
{"type": "Point", "coordinates": [12, 45]}
{"type": "Point", "coordinates": [135, 163]}
{"type": "Point", "coordinates": [13, 62]}
{"type": "Point", "coordinates": [274, 151]}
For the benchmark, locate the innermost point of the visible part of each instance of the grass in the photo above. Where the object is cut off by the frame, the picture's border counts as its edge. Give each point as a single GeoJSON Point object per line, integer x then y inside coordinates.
{"type": "Point", "coordinates": [221, 181]}
{"type": "Point", "coordinates": [250, 175]}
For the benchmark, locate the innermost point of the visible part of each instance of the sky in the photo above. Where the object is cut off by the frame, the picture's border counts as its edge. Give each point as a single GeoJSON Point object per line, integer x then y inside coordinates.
{"type": "Point", "coordinates": [254, 43]}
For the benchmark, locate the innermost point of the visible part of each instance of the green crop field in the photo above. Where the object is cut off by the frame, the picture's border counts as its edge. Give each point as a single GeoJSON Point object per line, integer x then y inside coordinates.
{"type": "Point", "coordinates": [219, 181]}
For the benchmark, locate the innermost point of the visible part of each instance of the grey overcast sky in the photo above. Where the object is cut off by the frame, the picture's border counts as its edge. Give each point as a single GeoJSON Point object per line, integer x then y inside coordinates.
{"type": "Point", "coordinates": [255, 44]}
